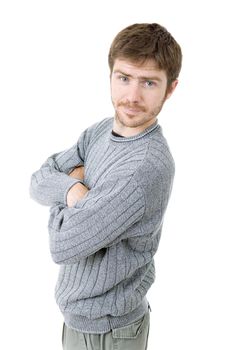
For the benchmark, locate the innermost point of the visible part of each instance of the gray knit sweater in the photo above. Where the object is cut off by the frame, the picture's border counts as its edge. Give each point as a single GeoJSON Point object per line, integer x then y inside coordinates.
{"type": "Point", "coordinates": [105, 244]}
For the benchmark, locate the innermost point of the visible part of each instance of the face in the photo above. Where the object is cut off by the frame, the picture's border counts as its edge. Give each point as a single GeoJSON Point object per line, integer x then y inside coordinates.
{"type": "Point", "coordinates": [138, 93]}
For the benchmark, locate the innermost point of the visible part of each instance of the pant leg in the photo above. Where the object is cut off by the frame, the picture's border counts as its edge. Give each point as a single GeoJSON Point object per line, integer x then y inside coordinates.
{"type": "Point", "coordinates": [72, 339]}
{"type": "Point", "coordinates": [130, 337]}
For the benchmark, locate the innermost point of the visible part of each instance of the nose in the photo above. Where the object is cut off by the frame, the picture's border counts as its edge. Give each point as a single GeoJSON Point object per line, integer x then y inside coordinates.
{"type": "Point", "coordinates": [134, 92]}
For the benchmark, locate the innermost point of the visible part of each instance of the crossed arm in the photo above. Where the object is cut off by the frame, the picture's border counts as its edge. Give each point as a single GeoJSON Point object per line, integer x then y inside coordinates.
{"type": "Point", "coordinates": [77, 191]}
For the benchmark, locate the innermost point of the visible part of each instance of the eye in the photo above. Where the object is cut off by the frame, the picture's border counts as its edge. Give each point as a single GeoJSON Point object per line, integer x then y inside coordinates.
{"type": "Point", "coordinates": [149, 83]}
{"type": "Point", "coordinates": [123, 78]}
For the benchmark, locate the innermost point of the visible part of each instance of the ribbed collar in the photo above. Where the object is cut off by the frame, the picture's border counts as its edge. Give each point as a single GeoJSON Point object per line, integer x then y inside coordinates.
{"type": "Point", "coordinates": [135, 137]}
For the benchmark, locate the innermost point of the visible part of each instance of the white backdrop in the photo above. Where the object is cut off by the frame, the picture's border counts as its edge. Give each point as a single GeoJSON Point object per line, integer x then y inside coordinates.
{"type": "Point", "coordinates": [54, 82]}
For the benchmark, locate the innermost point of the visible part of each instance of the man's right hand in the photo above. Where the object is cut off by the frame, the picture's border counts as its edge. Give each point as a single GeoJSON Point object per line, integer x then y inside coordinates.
{"type": "Point", "coordinates": [77, 191]}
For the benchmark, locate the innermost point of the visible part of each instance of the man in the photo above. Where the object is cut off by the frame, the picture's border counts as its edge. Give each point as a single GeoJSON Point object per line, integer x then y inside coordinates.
{"type": "Point", "coordinates": [108, 196]}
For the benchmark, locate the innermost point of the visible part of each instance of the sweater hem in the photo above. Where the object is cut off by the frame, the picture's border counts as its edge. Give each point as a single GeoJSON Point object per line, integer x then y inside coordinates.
{"type": "Point", "coordinates": [106, 323]}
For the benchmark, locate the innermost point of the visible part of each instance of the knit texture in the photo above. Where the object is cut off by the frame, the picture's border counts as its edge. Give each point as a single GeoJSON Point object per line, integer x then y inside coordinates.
{"type": "Point", "coordinates": [105, 244]}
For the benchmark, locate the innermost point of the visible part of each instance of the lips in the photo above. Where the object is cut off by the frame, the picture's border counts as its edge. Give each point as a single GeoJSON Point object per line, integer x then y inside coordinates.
{"type": "Point", "coordinates": [132, 110]}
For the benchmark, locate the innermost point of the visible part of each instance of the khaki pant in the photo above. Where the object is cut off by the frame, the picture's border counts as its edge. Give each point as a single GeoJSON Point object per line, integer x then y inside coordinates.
{"type": "Point", "coordinates": [131, 337]}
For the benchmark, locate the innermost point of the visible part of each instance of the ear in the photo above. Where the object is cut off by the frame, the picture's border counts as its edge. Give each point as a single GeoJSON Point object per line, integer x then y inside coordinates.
{"type": "Point", "coordinates": [171, 88]}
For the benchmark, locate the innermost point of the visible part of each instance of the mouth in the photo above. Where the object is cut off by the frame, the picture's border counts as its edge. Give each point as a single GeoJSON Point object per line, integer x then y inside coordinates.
{"type": "Point", "coordinates": [131, 110]}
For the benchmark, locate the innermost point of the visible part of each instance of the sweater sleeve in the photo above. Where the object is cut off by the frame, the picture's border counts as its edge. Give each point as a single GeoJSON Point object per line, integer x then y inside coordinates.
{"type": "Point", "coordinates": [102, 216]}
{"type": "Point", "coordinates": [51, 183]}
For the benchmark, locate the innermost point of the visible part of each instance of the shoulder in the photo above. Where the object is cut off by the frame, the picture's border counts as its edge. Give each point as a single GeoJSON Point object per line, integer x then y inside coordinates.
{"type": "Point", "coordinates": [158, 162]}
{"type": "Point", "coordinates": [159, 153]}
{"type": "Point", "coordinates": [156, 172]}
{"type": "Point", "coordinates": [95, 129]}
{"type": "Point", "coordinates": [101, 125]}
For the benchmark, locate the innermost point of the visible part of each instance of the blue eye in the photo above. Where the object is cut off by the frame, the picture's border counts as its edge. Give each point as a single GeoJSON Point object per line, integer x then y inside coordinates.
{"type": "Point", "coordinates": [123, 78]}
{"type": "Point", "coordinates": [149, 83]}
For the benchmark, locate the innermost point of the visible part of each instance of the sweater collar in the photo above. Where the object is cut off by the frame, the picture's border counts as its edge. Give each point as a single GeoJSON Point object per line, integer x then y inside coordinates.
{"type": "Point", "coordinates": [137, 136]}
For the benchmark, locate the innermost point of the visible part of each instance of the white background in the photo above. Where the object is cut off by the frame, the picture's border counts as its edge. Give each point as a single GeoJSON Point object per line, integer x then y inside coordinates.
{"type": "Point", "coordinates": [54, 82]}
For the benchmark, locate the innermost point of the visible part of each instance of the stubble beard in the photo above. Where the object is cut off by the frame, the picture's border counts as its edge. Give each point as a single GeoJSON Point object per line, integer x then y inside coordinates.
{"type": "Point", "coordinates": [137, 120]}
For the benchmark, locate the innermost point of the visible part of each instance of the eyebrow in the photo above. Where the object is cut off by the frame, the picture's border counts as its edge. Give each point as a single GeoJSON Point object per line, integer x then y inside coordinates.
{"type": "Point", "coordinates": [140, 77]}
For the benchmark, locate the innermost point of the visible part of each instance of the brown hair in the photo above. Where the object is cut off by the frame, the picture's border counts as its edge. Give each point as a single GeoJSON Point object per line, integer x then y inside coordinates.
{"type": "Point", "coordinates": [139, 42]}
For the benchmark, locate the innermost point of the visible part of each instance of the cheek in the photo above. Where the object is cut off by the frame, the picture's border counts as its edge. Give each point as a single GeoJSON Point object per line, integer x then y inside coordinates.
{"type": "Point", "coordinates": [113, 91]}
{"type": "Point", "coordinates": [157, 98]}
{"type": "Point", "coordinates": [116, 94]}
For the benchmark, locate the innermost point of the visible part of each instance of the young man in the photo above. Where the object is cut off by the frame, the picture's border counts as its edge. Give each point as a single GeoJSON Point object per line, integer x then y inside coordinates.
{"type": "Point", "coordinates": [108, 196]}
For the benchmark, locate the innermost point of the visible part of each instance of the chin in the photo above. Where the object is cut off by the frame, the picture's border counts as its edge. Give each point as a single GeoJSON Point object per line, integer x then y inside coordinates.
{"type": "Point", "coordinates": [128, 121]}
{"type": "Point", "coordinates": [131, 120]}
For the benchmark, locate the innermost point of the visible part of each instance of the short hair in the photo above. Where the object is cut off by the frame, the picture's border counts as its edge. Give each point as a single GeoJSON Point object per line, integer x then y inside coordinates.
{"type": "Point", "coordinates": [141, 41]}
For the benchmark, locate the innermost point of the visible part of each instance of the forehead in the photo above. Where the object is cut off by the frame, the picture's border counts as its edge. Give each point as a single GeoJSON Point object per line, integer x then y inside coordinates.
{"type": "Point", "coordinates": [148, 68]}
